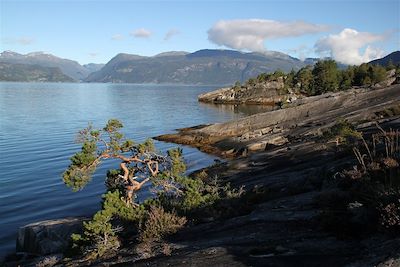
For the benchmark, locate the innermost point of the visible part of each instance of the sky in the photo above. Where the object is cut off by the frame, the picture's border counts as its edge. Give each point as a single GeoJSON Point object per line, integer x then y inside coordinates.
{"type": "Point", "coordinates": [350, 31]}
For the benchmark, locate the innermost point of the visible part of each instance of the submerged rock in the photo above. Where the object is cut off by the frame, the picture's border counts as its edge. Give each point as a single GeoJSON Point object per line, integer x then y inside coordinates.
{"type": "Point", "coordinates": [48, 237]}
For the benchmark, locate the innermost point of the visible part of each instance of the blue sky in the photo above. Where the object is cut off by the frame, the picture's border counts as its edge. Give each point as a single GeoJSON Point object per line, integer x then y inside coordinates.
{"type": "Point", "coordinates": [95, 31]}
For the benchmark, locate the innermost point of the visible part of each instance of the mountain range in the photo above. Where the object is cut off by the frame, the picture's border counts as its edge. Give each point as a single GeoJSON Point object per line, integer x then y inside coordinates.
{"type": "Point", "coordinates": [207, 66]}
{"type": "Point", "coordinates": [201, 67]}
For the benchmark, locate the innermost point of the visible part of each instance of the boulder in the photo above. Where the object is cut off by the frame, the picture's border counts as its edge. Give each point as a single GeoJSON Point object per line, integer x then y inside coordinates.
{"type": "Point", "coordinates": [391, 78]}
{"type": "Point", "coordinates": [48, 237]}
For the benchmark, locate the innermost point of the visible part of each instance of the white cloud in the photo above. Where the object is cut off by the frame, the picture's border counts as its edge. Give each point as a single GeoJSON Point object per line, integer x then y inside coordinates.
{"type": "Point", "coordinates": [302, 51]}
{"type": "Point", "coordinates": [346, 46]}
{"type": "Point", "coordinates": [170, 34]}
{"type": "Point", "coordinates": [93, 54]}
{"type": "Point", "coordinates": [117, 37]}
{"type": "Point", "coordinates": [141, 33]}
{"type": "Point", "coordinates": [250, 34]}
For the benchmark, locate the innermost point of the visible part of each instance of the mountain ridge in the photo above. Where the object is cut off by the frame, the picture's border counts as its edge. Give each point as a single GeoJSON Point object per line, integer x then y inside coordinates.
{"type": "Point", "coordinates": [15, 72]}
{"type": "Point", "coordinates": [206, 66]}
{"type": "Point", "coordinates": [68, 67]}
{"type": "Point", "coordinates": [393, 58]}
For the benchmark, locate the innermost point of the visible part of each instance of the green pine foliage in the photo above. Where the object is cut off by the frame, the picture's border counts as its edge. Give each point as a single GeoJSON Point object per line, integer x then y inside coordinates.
{"type": "Point", "coordinates": [175, 194]}
{"type": "Point", "coordinates": [101, 233]}
{"type": "Point", "coordinates": [303, 80]}
{"type": "Point", "coordinates": [324, 76]}
{"type": "Point", "coordinates": [99, 145]}
{"type": "Point", "coordinates": [177, 164]}
{"type": "Point", "coordinates": [343, 131]}
{"type": "Point", "coordinates": [146, 146]}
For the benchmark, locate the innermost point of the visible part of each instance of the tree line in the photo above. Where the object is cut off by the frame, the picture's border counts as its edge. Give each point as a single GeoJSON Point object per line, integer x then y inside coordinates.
{"type": "Point", "coordinates": [326, 76]}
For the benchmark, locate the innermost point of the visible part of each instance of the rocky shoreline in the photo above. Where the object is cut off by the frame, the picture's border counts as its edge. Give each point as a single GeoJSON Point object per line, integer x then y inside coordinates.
{"type": "Point", "coordinates": [303, 117]}
{"type": "Point", "coordinates": [278, 158]}
{"type": "Point", "coordinates": [279, 154]}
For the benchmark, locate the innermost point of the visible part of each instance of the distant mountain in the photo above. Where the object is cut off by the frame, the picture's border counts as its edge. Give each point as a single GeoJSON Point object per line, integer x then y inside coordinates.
{"type": "Point", "coordinates": [92, 67]}
{"type": "Point", "coordinates": [206, 66]}
{"type": "Point", "coordinates": [31, 73]}
{"type": "Point", "coordinates": [393, 57]}
{"type": "Point", "coordinates": [69, 67]}
{"type": "Point", "coordinates": [311, 60]}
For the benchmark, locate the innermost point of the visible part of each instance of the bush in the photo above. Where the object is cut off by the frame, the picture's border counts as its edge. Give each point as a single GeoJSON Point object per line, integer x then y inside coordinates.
{"type": "Point", "coordinates": [197, 194]}
{"type": "Point", "coordinates": [158, 224]}
{"type": "Point", "coordinates": [100, 234]}
{"type": "Point", "coordinates": [343, 131]}
{"type": "Point", "coordinates": [390, 213]}
{"type": "Point", "coordinates": [176, 195]}
{"type": "Point", "coordinates": [366, 198]}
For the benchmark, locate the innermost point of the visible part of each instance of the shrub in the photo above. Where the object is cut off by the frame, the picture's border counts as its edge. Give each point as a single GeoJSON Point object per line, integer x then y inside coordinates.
{"type": "Point", "coordinates": [390, 215]}
{"type": "Point", "coordinates": [158, 224]}
{"type": "Point", "coordinates": [237, 86]}
{"type": "Point", "coordinates": [176, 195]}
{"type": "Point", "coordinates": [343, 131]}
{"type": "Point", "coordinates": [389, 112]}
{"type": "Point", "coordinates": [366, 197]}
{"type": "Point", "coordinates": [100, 234]}
{"type": "Point", "coordinates": [197, 193]}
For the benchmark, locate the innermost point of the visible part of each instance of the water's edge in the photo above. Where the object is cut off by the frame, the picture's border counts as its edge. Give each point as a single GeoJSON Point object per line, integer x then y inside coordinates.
{"type": "Point", "coordinates": [38, 124]}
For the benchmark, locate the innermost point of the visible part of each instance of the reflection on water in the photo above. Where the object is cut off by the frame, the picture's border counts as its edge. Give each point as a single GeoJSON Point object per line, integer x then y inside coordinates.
{"type": "Point", "coordinates": [245, 110]}
{"type": "Point", "coordinates": [38, 123]}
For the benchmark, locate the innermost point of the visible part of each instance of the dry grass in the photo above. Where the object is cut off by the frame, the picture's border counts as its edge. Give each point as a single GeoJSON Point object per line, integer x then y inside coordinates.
{"type": "Point", "coordinates": [390, 215]}
{"type": "Point", "coordinates": [374, 183]}
{"type": "Point", "coordinates": [159, 224]}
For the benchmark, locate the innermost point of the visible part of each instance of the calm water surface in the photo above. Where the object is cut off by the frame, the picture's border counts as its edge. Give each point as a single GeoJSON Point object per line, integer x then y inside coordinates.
{"type": "Point", "coordinates": [38, 125]}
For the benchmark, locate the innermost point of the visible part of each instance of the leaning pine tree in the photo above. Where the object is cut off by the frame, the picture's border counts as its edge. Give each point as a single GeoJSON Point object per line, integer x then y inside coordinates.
{"type": "Point", "coordinates": [136, 161]}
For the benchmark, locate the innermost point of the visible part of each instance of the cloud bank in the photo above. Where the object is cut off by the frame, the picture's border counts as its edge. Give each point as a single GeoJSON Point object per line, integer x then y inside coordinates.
{"type": "Point", "coordinates": [302, 51]}
{"type": "Point", "coordinates": [346, 46]}
{"type": "Point", "coordinates": [141, 33]}
{"type": "Point", "coordinates": [250, 34]}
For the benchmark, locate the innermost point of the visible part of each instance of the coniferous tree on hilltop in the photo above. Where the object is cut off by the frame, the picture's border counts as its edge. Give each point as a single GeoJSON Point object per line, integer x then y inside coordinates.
{"type": "Point", "coordinates": [325, 77]}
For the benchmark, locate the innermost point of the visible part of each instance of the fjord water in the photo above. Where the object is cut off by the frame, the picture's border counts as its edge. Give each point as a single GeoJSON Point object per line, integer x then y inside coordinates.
{"type": "Point", "coordinates": [38, 125]}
